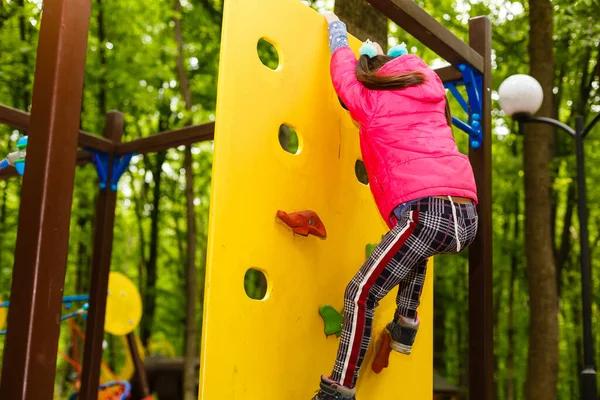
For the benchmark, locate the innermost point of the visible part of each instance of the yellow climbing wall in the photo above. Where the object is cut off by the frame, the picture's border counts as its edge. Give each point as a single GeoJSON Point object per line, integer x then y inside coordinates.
{"type": "Point", "coordinates": [275, 348]}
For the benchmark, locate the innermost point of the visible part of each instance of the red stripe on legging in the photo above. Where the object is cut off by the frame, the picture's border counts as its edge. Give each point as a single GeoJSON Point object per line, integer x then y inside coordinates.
{"type": "Point", "coordinates": [361, 309]}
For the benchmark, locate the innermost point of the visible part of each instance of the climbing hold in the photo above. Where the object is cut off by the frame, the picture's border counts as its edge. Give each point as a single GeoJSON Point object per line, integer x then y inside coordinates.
{"type": "Point", "coordinates": [382, 353]}
{"type": "Point", "coordinates": [370, 248]}
{"type": "Point", "coordinates": [304, 223]}
{"type": "Point", "coordinates": [333, 320]}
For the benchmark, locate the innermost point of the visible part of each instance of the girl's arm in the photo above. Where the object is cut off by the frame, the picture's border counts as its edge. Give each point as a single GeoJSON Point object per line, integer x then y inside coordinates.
{"type": "Point", "coordinates": [353, 94]}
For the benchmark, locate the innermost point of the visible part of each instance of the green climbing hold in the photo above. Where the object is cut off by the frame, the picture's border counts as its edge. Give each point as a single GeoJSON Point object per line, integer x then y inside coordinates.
{"type": "Point", "coordinates": [370, 248]}
{"type": "Point", "coordinates": [333, 320]}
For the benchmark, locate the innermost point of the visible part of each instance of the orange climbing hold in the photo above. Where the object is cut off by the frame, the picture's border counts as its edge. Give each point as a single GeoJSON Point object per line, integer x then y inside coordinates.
{"type": "Point", "coordinates": [304, 223]}
{"type": "Point", "coordinates": [382, 355]}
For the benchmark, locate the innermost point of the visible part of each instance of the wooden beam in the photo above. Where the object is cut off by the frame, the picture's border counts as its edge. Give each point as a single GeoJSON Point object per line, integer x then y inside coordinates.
{"type": "Point", "coordinates": [166, 140]}
{"type": "Point", "coordinates": [103, 241]}
{"type": "Point", "coordinates": [449, 73]}
{"type": "Point", "coordinates": [423, 27]}
{"type": "Point", "coordinates": [14, 118]}
{"type": "Point", "coordinates": [40, 262]}
{"type": "Point", "coordinates": [141, 376]}
{"type": "Point", "coordinates": [20, 120]}
{"type": "Point", "coordinates": [481, 295]}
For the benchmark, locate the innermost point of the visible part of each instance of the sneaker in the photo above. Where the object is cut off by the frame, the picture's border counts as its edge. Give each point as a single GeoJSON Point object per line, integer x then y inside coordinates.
{"type": "Point", "coordinates": [331, 390]}
{"type": "Point", "coordinates": [403, 335]}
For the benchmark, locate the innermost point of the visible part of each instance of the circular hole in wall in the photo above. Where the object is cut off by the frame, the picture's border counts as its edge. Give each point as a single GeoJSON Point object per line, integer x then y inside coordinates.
{"type": "Point", "coordinates": [255, 284]}
{"type": "Point", "coordinates": [288, 139]}
{"type": "Point", "coordinates": [268, 54]}
{"type": "Point", "coordinates": [361, 172]}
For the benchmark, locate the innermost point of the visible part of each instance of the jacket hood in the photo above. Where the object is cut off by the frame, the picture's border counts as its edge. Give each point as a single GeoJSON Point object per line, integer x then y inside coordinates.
{"type": "Point", "coordinates": [430, 91]}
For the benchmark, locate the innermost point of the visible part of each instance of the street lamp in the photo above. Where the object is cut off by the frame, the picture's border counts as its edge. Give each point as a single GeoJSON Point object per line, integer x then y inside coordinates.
{"type": "Point", "coordinates": [520, 97]}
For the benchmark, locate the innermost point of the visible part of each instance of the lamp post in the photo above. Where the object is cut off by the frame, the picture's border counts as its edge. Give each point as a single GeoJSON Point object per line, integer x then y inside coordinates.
{"type": "Point", "coordinates": [520, 97]}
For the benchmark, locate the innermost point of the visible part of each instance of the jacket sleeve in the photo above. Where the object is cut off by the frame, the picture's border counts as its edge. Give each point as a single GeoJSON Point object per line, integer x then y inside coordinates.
{"type": "Point", "coordinates": [358, 99]}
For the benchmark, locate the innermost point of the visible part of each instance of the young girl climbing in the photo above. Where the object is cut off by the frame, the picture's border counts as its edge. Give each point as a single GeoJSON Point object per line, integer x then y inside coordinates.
{"type": "Point", "coordinates": [423, 186]}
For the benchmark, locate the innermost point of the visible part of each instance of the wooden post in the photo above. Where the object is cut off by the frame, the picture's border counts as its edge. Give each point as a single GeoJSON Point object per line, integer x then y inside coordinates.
{"type": "Point", "coordinates": [29, 363]}
{"type": "Point", "coordinates": [140, 369]}
{"type": "Point", "coordinates": [103, 239]}
{"type": "Point", "coordinates": [481, 344]}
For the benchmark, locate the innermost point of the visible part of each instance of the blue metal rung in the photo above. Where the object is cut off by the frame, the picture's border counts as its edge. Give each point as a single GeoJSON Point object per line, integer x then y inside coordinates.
{"type": "Point", "coordinates": [67, 300]}
{"type": "Point", "coordinates": [120, 164]}
{"type": "Point", "coordinates": [472, 80]}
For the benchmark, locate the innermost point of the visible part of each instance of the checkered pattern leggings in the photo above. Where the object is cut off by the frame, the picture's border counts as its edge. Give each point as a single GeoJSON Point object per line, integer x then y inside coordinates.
{"type": "Point", "coordinates": [427, 228]}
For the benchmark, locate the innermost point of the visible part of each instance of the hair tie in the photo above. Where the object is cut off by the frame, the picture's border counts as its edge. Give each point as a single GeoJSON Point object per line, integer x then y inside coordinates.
{"type": "Point", "coordinates": [368, 49]}
{"type": "Point", "coordinates": [398, 50]}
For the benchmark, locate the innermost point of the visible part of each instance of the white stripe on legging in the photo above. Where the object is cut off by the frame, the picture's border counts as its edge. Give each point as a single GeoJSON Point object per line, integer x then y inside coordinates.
{"type": "Point", "coordinates": [359, 291]}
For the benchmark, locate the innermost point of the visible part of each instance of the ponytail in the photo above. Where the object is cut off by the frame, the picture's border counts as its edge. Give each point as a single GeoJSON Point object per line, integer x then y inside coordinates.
{"type": "Point", "coordinates": [367, 69]}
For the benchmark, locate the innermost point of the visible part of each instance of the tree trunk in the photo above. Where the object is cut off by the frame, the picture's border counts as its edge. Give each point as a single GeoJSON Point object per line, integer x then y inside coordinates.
{"type": "Point", "coordinates": [542, 363]}
{"type": "Point", "coordinates": [3, 227]}
{"type": "Point", "coordinates": [565, 243]}
{"type": "Point", "coordinates": [102, 55]}
{"type": "Point", "coordinates": [514, 262]}
{"type": "Point", "coordinates": [191, 336]}
{"type": "Point", "coordinates": [151, 270]}
{"type": "Point", "coordinates": [139, 200]}
{"type": "Point", "coordinates": [23, 28]}
{"type": "Point", "coordinates": [363, 21]}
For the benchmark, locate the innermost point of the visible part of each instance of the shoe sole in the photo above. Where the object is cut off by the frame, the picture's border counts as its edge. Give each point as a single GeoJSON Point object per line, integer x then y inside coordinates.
{"type": "Point", "coordinates": [400, 348]}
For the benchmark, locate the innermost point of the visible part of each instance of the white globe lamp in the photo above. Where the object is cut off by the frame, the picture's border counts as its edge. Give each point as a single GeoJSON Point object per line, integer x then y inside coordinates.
{"type": "Point", "coordinates": [520, 94]}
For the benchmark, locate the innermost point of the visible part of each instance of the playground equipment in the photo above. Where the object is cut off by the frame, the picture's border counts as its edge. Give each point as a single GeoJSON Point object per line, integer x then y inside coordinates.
{"type": "Point", "coordinates": [123, 314]}
{"type": "Point", "coordinates": [42, 238]}
{"type": "Point", "coordinates": [283, 334]}
{"type": "Point", "coordinates": [16, 158]}
{"type": "Point", "coordinates": [306, 276]}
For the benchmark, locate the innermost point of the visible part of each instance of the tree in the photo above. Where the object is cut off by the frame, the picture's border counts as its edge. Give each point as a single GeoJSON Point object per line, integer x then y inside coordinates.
{"type": "Point", "coordinates": [363, 21]}
{"type": "Point", "coordinates": [191, 337]}
{"type": "Point", "coordinates": [542, 366]}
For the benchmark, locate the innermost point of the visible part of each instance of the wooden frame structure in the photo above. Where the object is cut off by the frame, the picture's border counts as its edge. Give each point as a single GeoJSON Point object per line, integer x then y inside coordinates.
{"type": "Point", "coordinates": [29, 363]}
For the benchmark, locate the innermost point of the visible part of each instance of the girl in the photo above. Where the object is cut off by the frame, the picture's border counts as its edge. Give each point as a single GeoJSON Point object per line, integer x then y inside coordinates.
{"type": "Point", "coordinates": [423, 186]}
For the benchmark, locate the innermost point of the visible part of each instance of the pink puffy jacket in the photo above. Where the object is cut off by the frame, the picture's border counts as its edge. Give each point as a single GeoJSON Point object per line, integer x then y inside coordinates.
{"type": "Point", "coordinates": [407, 146]}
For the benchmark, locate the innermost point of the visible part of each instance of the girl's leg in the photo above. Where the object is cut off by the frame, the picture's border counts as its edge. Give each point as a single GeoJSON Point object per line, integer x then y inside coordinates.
{"type": "Point", "coordinates": [389, 264]}
{"type": "Point", "coordinates": [409, 292]}
{"type": "Point", "coordinates": [403, 329]}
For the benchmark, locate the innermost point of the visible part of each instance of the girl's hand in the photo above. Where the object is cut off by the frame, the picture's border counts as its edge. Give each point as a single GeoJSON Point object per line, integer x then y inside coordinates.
{"type": "Point", "coordinates": [330, 17]}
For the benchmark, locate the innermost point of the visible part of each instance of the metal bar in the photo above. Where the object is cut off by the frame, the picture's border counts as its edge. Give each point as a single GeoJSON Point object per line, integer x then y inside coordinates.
{"type": "Point", "coordinates": [66, 299]}
{"type": "Point", "coordinates": [449, 74]}
{"type": "Point", "coordinates": [461, 100]}
{"type": "Point", "coordinates": [166, 140]}
{"type": "Point", "coordinates": [29, 363]}
{"type": "Point", "coordinates": [481, 344]}
{"type": "Point", "coordinates": [545, 120]}
{"type": "Point", "coordinates": [588, 375]}
{"type": "Point", "coordinates": [588, 128]}
{"type": "Point", "coordinates": [103, 239]}
{"type": "Point", "coordinates": [140, 369]}
{"type": "Point", "coordinates": [20, 120]}
{"type": "Point", "coordinates": [75, 298]}
{"type": "Point", "coordinates": [417, 22]}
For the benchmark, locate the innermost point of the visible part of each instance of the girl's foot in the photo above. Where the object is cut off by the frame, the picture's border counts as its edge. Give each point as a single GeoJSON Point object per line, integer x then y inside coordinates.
{"type": "Point", "coordinates": [331, 390]}
{"type": "Point", "coordinates": [402, 333]}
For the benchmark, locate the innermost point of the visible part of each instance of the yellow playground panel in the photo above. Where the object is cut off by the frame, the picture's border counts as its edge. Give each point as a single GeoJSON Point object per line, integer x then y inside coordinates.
{"type": "Point", "coordinates": [276, 348]}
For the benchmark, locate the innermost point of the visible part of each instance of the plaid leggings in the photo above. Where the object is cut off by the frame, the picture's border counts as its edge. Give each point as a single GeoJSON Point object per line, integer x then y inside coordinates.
{"type": "Point", "coordinates": [426, 228]}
